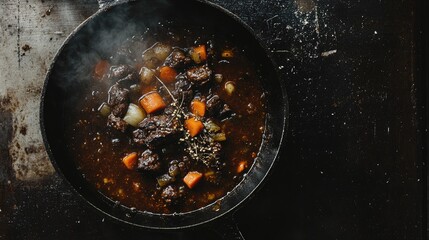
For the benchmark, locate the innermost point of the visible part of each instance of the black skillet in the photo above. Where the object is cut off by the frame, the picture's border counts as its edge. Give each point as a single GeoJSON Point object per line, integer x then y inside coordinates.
{"type": "Point", "coordinates": [65, 77]}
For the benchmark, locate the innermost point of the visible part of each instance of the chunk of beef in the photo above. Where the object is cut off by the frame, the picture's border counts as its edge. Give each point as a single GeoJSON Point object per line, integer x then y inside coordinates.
{"type": "Point", "coordinates": [170, 194]}
{"type": "Point", "coordinates": [123, 74]}
{"type": "Point", "coordinates": [149, 161]}
{"type": "Point", "coordinates": [182, 83]}
{"type": "Point", "coordinates": [121, 71]}
{"type": "Point", "coordinates": [129, 79]}
{"type": "Point", "coordinates": [199, 74]}
{"type": "Point", "coordinates": [177, 59]}
{"type": "Point", "coordinates": [117, 95]}
{"type": "Point", "coordinates": [217, 108]}
{"type": "Point", "coordinates": [213, 105]}
{"type": "Point", "coordinates": [139, 136]}
{"type": "Point", "coordinates": [120, 110]}
{"type": "Point", "coordinates": [116, 123]}
{"type": "Point", "coordinates": [183, 89]}
{"type": "Point", "coordinates": [156, 130]}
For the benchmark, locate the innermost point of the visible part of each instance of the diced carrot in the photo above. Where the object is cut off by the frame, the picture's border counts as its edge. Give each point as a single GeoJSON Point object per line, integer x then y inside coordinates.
{"type": "Point", "coordinates": [101, 69]}
{"type": "Point", "coordinates": [192, 178]}
{"type": "Point", "coordinates": [152, 102]}
{"type": "Point", "coordinates": [194, 126]}
{"type": "Point", "coordinates": [130, 160]}
{"type": "Point", "coordinates": [199, 54]}
{"type": "Point", "coordinates": [167, 74]}
{"type": "Point", "coordinates": [198, 108]}
{"type": "Point", "coordinates": [241, 166]}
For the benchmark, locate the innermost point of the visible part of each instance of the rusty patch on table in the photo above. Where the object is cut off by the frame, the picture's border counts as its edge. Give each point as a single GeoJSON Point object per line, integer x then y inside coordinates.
{"type": "Point", "coordinates": [28, 160]}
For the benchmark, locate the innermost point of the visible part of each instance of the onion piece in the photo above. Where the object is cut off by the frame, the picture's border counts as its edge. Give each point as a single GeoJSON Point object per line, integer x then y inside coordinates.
{"type": "Point", "coordinates": [161, 51]}
{"type": "Point", "coordinates": [211, 126]}
{"type": "Point", "coordinates": [146, 75]}
{"type": "Point", "coordinates": [104, 109]}
{"type": "Point", "coordinates": [134, 115]}
{"type": "Point", "coordinates": [229, 87]}
{"type": "Point", "coordinates": [219, 137]}
{"type": "Point", "coordinates": [164, 180]}
{"type": "Point", "coordinates": [218, 77]}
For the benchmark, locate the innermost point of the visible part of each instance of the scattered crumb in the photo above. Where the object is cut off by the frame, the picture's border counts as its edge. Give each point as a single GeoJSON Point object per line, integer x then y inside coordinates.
{"type": "Point", "coordinates": [328, 53]}
{"type": "Point", "coordinates": [26, 47]}
{"type": "Point", "coordinates": [23, 130]}
{"type": "Point", "coordinates": [47, 12]}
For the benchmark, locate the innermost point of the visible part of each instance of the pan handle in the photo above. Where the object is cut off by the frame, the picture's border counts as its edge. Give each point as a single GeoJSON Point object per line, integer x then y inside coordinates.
{"type": "Point", "coordinates": [227, 228]}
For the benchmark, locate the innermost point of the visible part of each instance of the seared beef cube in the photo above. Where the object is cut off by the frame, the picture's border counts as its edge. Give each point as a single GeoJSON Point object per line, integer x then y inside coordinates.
{"type": "Point", "coordinates": [213, 105]}
{"type": "Point", "coordinates": [139, 136]}
{"type": "Point", "coordinates": [217, 108]}
{"type": "Point", "coordinates": [123, 74]}
{"type": "Point", "coordinates": [120, 71]}
{"type": "Point", "coordinates": [177, 59]}
{"type": "Point", "coordinates": [129, 79]}
{"type": "Point", "coordinates": [117, 123]}
{"type": "Point", "coordinates": [117, 95]}
{"type": "Point", "coordinates": [149, 161]}
{"type": "Point", "coordinates": [182, 89]}
{"type": "Point", "coordinates": [156, 130]}
{"type": "Point", "coordinates": [120, 110]}
{"type": "Point", "coordinates": [170, 194]}
{"type": "Point", "coordinates": [155, 122]}
{"type": "Point", "coordinates": [182, 83]}
{"type": "Point", "coordinates": [199, 74]}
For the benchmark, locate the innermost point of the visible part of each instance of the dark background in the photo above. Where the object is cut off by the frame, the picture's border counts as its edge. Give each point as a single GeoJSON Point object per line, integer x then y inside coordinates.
{"type": "Point", "coordinates": [353, 165]}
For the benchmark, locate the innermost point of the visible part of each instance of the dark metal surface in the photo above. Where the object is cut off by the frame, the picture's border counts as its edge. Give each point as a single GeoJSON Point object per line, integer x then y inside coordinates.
{"type": "Point", "coordinates": [353, 166]}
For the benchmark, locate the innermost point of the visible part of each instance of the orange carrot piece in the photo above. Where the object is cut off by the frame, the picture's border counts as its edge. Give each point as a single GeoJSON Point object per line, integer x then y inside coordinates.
{"type": "Point", "coordinates": [101, 69]}
{"type": "Point", "coordinates": [192, 178]}
{"type": "Point", "coordinates": [130, 160]}
{"type": "Point", "coordinates": [198, 108]}
{"type": "Point", "coordinates": [152, 102]}
{"type": "Point", "coordinates": [167, 74]}
{"type": "Point", "coordinates": [194, 126]}
{"type": "Point", "coordinates": [199, 54]}
{"type": "Point", "coordinates": [241, 166]}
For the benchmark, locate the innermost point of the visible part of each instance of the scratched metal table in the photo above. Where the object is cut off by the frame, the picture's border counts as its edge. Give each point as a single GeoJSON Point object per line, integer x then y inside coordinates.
{"type": "Point", "coordinates": [353, 164]}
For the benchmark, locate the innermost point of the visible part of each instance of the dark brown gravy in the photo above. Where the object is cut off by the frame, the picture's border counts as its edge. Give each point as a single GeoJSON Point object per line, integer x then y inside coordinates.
{"type": "Point", "coordinates": [100, 161]}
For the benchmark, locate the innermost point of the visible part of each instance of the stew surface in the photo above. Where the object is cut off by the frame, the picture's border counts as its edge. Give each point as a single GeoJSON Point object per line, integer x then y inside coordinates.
{"type": "Point", "coordinates": [170, 121]}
